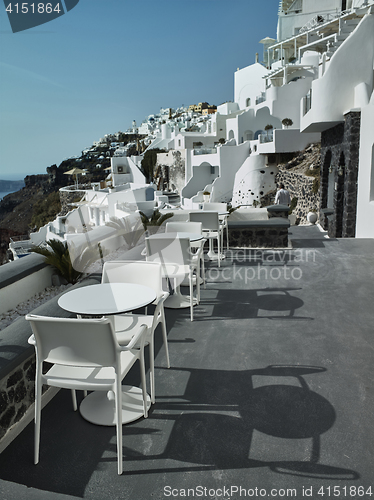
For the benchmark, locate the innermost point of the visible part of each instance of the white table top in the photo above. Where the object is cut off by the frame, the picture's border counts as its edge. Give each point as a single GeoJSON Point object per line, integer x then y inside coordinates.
{"type": "Point", "coordinates": [107, 298]}
{"type": "Point", "coordinates": [178, 234]}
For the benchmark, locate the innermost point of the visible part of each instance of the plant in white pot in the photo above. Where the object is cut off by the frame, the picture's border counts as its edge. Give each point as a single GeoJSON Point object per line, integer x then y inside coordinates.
{"type": "Point", "coordinates": [292, 216]}
{"type": "Point", "coordinates": [312, 216]}
{"type": "Point", "coordinates": [206, 195]}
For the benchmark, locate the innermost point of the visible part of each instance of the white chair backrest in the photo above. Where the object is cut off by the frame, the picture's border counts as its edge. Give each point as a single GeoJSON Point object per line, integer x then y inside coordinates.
{"type": "Point", "coordinates": [210, 220]}
{"type": "Point", "coordinates": [188, 227]}
{"type": "Point", "coordinates": [219, 207]}
{"type": "Point", "coordinates": [138, 272]}
{"type": "Point", "coordinates": [168, 250]}
{"type": "Point", "coordinates": [75, 342]}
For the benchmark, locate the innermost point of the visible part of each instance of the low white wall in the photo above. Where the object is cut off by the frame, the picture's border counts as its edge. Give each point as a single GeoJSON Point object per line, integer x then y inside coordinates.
{"type": "Point", "coordinates": [25, 288]}
{"type": "Point", "coordinates": [334, 94]}
{"type": "Point", "coordinates": [365, 194]}
{"type": "Point", "coordinates": [253, 180]}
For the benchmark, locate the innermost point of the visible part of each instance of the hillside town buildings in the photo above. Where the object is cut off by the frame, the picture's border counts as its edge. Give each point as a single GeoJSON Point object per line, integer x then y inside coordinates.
{"type": "Point", "coordinates": [314, 85]}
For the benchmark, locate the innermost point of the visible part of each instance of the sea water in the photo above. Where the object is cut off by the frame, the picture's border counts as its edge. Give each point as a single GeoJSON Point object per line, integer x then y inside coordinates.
{"type": "Point", "coordinates": [2, 194]}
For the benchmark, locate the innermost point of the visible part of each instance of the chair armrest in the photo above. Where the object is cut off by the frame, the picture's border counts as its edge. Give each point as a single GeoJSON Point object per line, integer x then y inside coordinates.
{"type": "Point", "coordinates": [135, 339]}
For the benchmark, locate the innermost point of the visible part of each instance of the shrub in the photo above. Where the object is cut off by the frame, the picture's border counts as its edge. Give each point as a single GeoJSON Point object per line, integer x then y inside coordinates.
{"type": "Point", "coordinates": [58, 256]}
{"type": "Point", "coordinates": [156, 219]}
{"type": "Point", "coordinates": [45, 210]}
{"type": "Point", "coordinates": [287, 122]}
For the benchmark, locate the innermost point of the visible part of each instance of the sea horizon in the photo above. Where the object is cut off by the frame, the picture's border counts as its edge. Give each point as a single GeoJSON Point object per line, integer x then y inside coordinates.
{"type": "Point", "coordinates": [19, 176]}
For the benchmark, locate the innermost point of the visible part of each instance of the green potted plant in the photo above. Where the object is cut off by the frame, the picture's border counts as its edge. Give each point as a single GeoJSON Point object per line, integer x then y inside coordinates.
{"type": "Point", "coordinates": [287, 122]}
{"type": "Point", "coordinates": [57, 255]}
{"type": "Point", "coordinates": [155, 220]}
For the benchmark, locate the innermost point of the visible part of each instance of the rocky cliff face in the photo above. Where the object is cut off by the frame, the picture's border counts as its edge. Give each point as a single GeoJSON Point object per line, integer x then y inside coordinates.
{"type": "Point", "coordinates": [16, 209]}
{"type": "Point", "coordinates": [301, 175]}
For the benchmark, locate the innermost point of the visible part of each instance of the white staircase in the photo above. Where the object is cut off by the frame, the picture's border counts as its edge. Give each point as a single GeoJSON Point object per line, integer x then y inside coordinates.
{"type": "Point", "coordinates": [346, 28]}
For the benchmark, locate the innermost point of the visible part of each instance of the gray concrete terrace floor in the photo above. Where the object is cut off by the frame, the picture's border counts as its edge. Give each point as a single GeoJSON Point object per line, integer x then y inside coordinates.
{"type": "Point", "coordinates": [271, 387]}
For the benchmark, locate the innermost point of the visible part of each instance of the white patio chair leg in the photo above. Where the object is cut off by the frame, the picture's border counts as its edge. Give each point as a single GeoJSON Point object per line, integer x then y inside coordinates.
{"type": "Point", "coordinates": [74, 399]}
{"type": "Point", "coordinates": [198, 281]}
{"type": "Point", "coordinates": [219, 252]}
{"type": "Point", "coordinates": [203, 275]}
{"type": "Point", "coordinates": [191, 294]}
{"type": "Point", "coordinates": [227, 237]}
{"type": "Point", "coordinates": [164, 335]}
{"type": "Point", "coordinates": [151, 348]}
{"type": "Point", "coordinates": [38, 409]}
{"type": "Point", "coordinates": [144, 386]}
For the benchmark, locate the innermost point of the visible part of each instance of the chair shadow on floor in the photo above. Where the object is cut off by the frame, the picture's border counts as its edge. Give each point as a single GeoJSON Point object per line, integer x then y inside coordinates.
{"type": "Point", "coordinates": [221, 421]}
{"type": "Point", "coordinates": [215, 419]}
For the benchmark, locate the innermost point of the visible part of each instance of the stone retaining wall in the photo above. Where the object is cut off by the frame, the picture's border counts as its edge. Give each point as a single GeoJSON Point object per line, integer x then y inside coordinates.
{"type": "Point", "coordinates": [17, 364]}
{"type": "Point", "coordinates": [301, 187]}
{"type": "Point", "coordinates": [340, 146]}
{"type": "Point", "coordinates": [17, 394]}
{"type": "Point", "coordinates": [70, 196]}
{"type": "Point", "coordinates": [272, 233]}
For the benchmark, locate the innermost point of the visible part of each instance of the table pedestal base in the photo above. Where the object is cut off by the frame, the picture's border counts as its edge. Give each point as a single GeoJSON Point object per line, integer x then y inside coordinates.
{"type": "Point", "coordinates": [186, 282]}
{"type": "Point", "coordinates": [212, 255]}
{"type": "Point", "coordinates": [98, 409]}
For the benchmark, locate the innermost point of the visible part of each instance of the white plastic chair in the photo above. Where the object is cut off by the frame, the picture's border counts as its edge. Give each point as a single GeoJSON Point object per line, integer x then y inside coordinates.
{"type": "Point", "coordinates": [221, 208]}
{"type": "Point", "coordinates": [141, 273]}
{"type": "Point", "coordinates": [191, 227]}
{"type": "Point", "coordinates": [85, 355]}
{"type": "Point", "coordinates": [211, 230]}
{"type": "Point", "coordinates": [177, 261]}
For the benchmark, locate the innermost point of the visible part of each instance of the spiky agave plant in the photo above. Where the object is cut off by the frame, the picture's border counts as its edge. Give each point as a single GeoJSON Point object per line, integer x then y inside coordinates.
{"type": "Point", "coordinates": [130, 228]}
{"type": "Point", "coordinates": [156, 219]}
{"type": "Point", "coordinates": [57, 256]}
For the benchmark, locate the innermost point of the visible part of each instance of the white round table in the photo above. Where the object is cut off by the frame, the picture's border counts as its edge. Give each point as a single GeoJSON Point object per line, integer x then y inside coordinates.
{"type": "Point", "coordinates": [107, 299]}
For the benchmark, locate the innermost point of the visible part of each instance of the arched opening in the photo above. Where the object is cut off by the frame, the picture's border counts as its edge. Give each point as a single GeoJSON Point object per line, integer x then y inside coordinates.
{"type": "Point", "coordinates": [248, 101]}
{"type": "Point", "coordinates": [327, 192]}
{"type": "Point", "coordinates": [257, 133]}
{"type": "Point", "coordinates": [231, 134]}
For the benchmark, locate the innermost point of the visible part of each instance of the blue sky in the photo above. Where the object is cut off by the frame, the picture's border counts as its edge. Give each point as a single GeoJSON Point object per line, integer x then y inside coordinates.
{"type": "Point", "coordinates": [92, 71]}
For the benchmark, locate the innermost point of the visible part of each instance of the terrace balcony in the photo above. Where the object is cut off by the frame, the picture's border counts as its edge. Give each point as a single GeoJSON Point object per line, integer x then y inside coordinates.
{"type": "Point", "coordinates": [269, 388]}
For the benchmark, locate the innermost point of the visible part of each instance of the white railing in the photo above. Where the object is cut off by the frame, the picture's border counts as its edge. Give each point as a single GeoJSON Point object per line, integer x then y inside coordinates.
{"type": "Point", "coordinates": [264, 138]}
{"type": "Point", "coordinates": [320, 19]}
{"type": "Point", "coordinates": [261, 98]}
{"type": "Point", "coordinates": [24, 237]}
{"type": "Point", "coordinates": [204, 151]}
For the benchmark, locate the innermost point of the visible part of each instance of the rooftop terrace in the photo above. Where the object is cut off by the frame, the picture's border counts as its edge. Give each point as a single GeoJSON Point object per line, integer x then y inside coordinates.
{"type": "Point", "coordinates": [271, 387]}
